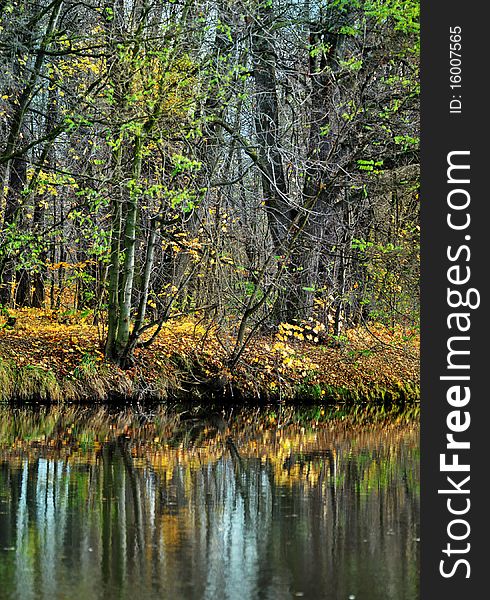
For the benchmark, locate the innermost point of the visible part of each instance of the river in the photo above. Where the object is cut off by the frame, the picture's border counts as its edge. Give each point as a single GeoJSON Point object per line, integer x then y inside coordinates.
{"type": "Point", "coordinates": [139, 504]}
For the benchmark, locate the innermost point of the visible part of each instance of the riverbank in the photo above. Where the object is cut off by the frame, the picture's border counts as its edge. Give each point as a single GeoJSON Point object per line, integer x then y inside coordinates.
{"type": "Point", "coordinates": [48, 357]}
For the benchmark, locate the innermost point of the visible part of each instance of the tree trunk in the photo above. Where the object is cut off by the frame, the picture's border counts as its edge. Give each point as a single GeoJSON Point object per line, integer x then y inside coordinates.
{"type": "Point", "coordinates": [124, 317]}
{"type": "Point", "coordinates": [274, 184]}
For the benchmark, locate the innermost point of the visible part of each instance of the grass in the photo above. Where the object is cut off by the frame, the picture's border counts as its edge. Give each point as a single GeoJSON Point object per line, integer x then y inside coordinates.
{"type": "Point", "coordinates": [35, 382]}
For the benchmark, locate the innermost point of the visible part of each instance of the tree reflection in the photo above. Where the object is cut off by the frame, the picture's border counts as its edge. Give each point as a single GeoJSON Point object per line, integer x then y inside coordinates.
{"type": "Point", "coordinates": [95, 505]}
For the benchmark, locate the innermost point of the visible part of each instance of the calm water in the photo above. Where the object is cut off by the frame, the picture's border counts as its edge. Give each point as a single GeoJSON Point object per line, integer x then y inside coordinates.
{"type": "Point", "coordinates": [99, 505]}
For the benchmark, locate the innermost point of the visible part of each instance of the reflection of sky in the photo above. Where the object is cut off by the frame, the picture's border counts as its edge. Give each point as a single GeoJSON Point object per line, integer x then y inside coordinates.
{"type": "Point", "coordinates": [22, 567]}
{"type": "Point", "coordinates": [234, 546]}
{"type": "Point", "coordinates": [50, 506]}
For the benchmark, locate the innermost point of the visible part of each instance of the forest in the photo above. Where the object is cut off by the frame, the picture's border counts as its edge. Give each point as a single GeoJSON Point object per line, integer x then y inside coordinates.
{"type": "Point", "coordinates": [207, 195]}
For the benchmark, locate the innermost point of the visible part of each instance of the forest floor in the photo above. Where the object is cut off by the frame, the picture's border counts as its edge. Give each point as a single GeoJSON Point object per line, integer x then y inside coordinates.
{"type": "Point", "coordinates": [48, 358]}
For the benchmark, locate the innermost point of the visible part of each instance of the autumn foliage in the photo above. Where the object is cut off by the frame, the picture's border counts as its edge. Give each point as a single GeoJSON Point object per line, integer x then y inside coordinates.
{"type": "Point", "coordinates": [46, 355]}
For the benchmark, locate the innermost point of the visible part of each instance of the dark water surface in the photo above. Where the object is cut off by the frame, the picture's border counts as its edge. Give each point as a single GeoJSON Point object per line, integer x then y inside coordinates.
{"type": "Point", "coordinates": [120, 505]}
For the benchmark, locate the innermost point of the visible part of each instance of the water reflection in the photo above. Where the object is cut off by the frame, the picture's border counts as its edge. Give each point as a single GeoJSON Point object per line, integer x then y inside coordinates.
{"type": "Point", "coordinates": [96, 505]}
